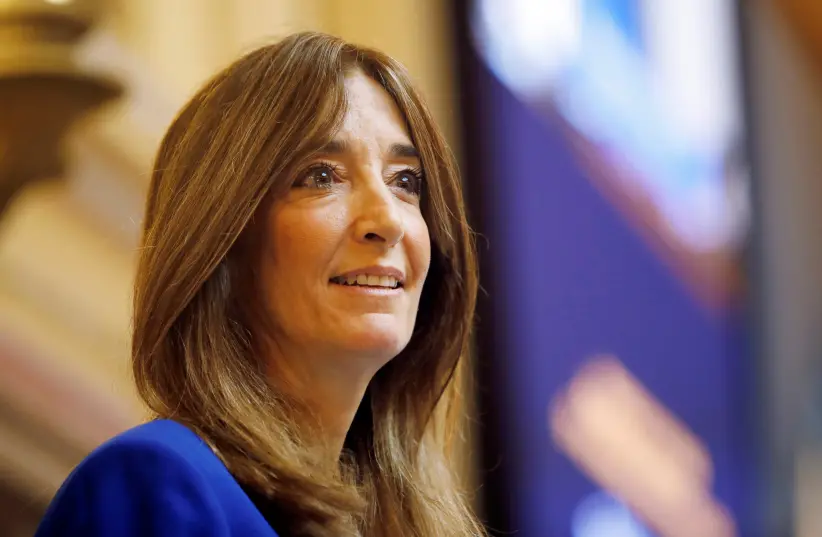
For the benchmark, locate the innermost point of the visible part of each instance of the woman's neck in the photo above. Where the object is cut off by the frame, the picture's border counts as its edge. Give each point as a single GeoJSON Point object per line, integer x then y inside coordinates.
{"type": "Point", "coordinates": [330, 390]}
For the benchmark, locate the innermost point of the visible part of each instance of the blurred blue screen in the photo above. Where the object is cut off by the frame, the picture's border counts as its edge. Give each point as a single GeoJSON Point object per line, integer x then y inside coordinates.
{"type": "Point", "coordinates": [607, 136]}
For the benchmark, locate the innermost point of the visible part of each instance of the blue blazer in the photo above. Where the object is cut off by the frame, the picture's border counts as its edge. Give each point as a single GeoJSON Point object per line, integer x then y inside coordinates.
{"type": "Point", "coordinates": [156, 480]}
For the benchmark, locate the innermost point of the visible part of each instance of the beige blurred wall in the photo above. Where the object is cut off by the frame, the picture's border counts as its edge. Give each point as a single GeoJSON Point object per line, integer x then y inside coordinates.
{"type": "Point", "coordinates": [67, 249]}
{"type": "Point", "coordinates": [183, 42]}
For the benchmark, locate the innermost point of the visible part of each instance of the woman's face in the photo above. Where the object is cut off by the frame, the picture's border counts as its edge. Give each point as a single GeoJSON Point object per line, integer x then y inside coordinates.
{"type": "Point", "coordinates": [347, 249]}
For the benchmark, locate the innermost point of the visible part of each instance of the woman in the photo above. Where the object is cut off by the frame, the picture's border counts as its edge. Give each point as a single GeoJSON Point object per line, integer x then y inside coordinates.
{"type": "Point", "coordinates": [304, 293]}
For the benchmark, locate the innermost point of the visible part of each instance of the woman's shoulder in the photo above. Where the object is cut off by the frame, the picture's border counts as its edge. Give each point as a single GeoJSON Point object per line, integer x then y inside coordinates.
{"type": "Point", "coordinates": [166, 437]}
{"type": "Point", "coordinates": [158, 479]}
{"type": "Point", "coordinates": [160, 449]}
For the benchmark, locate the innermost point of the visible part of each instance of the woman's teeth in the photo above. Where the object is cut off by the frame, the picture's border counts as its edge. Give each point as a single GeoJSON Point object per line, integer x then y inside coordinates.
{"type": "Point", "coordinates": [388, 282]}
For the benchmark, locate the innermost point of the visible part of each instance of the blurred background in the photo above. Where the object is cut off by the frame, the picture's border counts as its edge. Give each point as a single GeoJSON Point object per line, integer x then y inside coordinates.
{"type": "Point", "coordinates": [646, 180]}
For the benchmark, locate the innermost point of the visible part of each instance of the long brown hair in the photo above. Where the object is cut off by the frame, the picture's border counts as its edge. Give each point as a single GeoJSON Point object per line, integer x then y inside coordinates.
{"type": "Point", "coordinates": [232, 149]}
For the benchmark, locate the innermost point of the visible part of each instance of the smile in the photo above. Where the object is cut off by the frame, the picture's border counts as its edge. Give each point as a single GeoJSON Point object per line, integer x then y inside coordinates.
{"type": "Point", "coordinates": [375, 278]}
{"type": "Point", "coordinates": [366, 280]}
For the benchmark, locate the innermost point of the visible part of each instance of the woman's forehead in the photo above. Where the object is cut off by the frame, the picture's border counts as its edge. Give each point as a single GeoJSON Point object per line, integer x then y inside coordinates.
{"type": "Point", "coordinates": [370, 110]}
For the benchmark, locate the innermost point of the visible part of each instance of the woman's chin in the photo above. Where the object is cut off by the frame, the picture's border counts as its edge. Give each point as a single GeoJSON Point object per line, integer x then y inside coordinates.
{"type": "Point", "coordinates": [380, 340]}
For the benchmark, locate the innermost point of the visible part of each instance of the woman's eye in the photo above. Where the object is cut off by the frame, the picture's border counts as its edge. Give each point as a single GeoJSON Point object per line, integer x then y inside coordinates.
{"type": "Point", "coordinates": [320, 176]}
{"type": "Point", "coordinates": [410, 181]}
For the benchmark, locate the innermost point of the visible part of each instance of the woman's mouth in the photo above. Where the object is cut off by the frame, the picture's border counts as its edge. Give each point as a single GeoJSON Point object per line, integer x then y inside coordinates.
{"type": "Point", "coordinates": [368, 280]}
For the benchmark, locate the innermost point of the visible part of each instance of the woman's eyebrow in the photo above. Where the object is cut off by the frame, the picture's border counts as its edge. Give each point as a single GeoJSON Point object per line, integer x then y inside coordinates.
{"type": "Point", "coordinates": [403, 151]}
{"type": "Point", "coordinates": [339, 147]}
{"type": "Point", "coordinates": [334, 147]}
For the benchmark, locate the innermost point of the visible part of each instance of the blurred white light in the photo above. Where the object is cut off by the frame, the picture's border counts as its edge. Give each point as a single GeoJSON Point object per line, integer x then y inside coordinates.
{"type": "Point", "coordinates": [668, 110]}
{"type": "Point", "coordinates": [600, 515]}
{"type": "Point", "coordinates": [528, 42]}
{"type": "Point", "coordinates": [692, 57]}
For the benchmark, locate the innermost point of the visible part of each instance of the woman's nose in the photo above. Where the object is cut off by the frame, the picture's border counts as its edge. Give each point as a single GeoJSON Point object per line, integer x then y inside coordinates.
{"type": "Point", "coordinates": [379, 220]}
